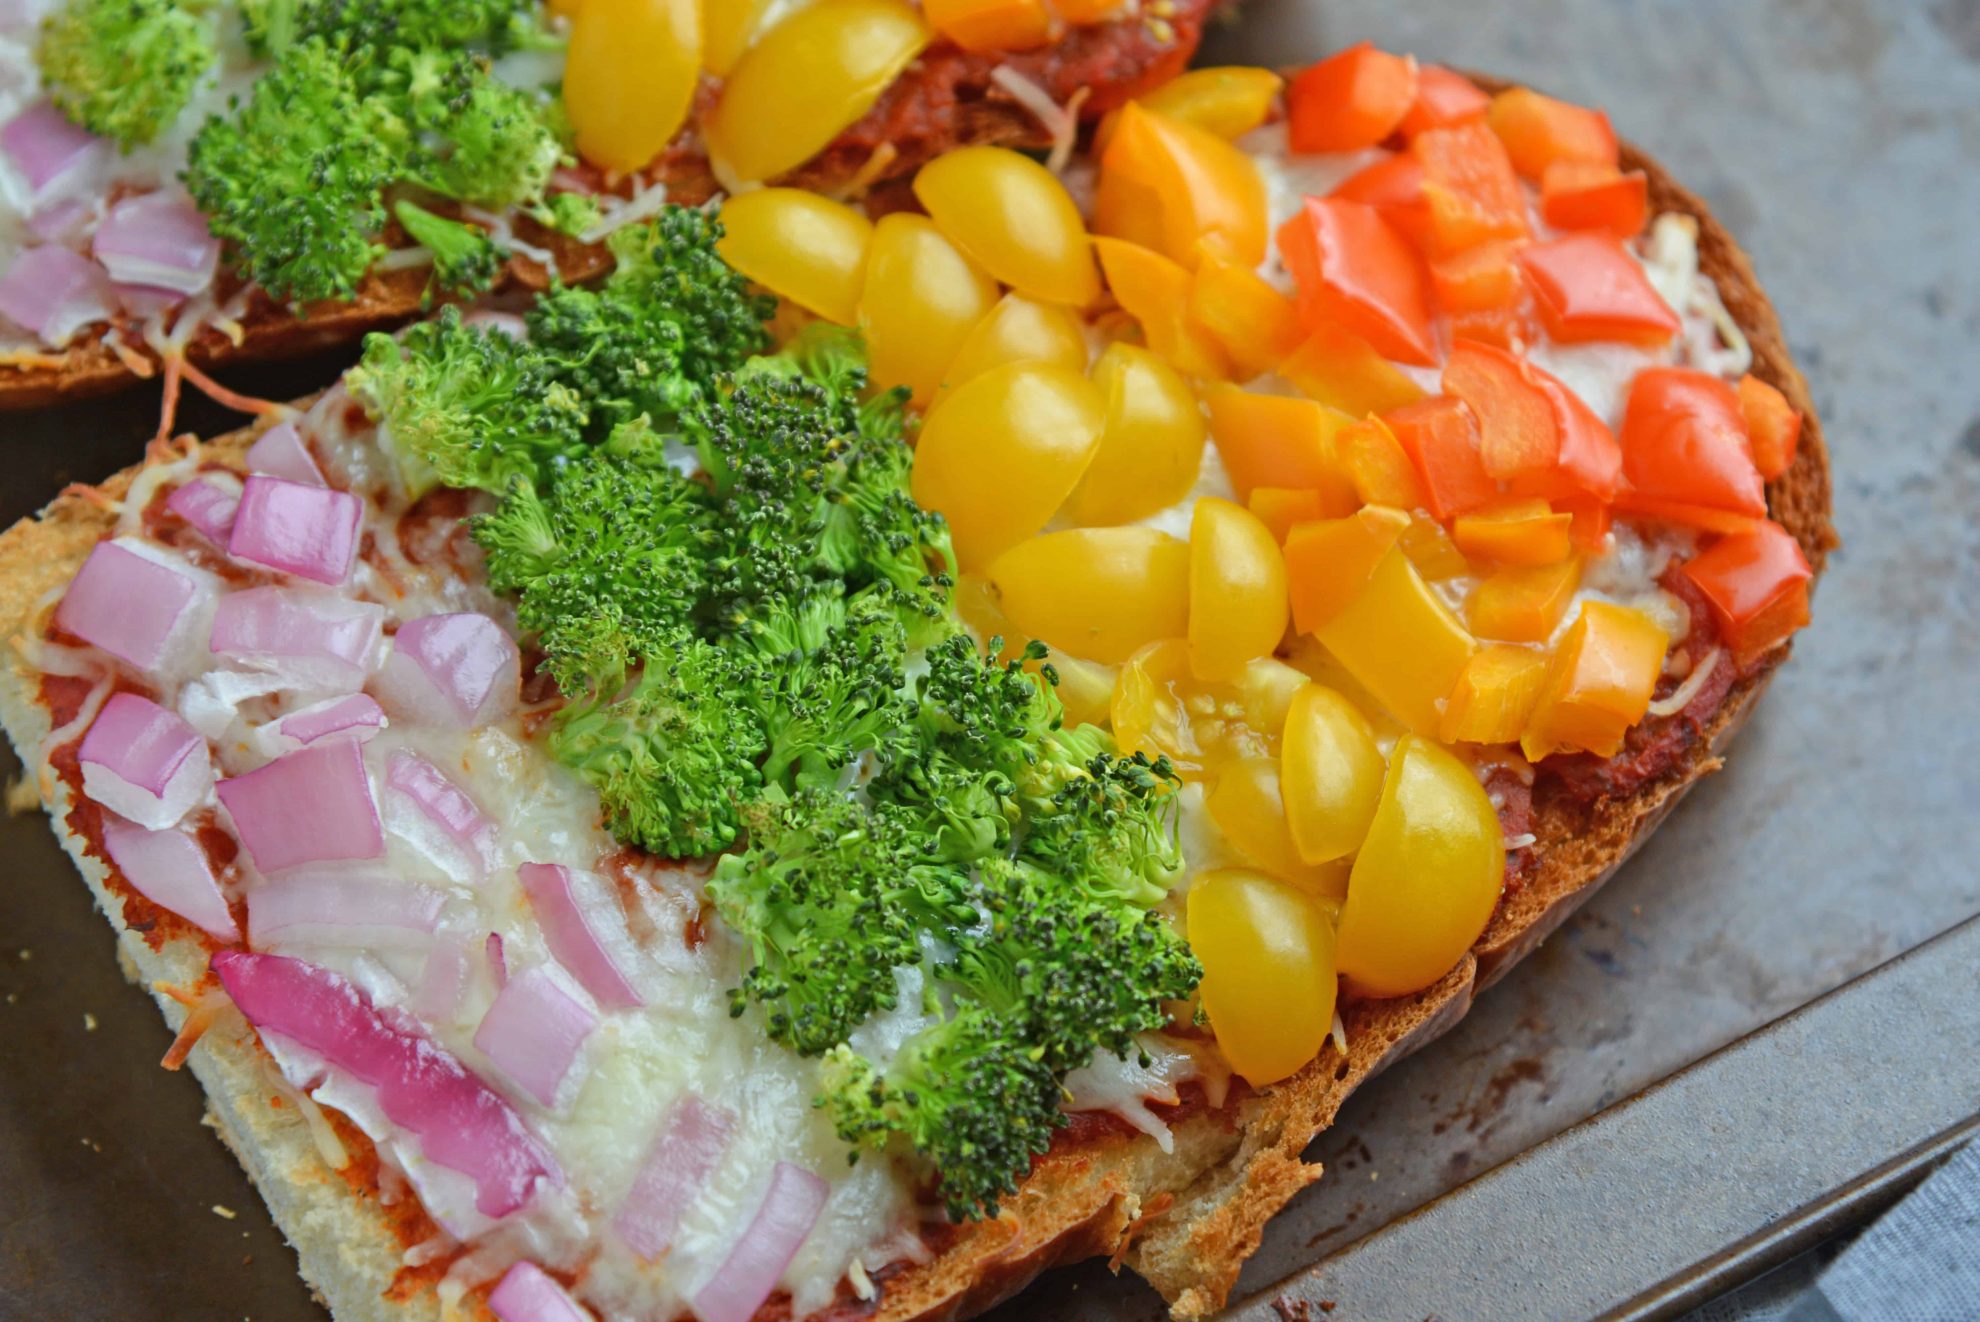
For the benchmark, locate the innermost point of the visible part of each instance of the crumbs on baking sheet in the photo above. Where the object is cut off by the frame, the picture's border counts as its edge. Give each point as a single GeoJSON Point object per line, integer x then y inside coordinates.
{"type": "Point", "coordinates": [89, 1022]}
{"type": "Point", "coordinates": [22, 796]}
{"type": "Point", "coordinates": [224, 1212]}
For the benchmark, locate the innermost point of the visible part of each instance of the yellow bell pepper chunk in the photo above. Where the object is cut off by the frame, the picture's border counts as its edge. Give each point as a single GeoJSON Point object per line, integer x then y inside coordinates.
{"type": "Point", "coordinates": [799, 246]}
{"type": "Point", "coordinates": [1599, 684]}
{"type": "Point", "coordinates": [921, 300]}
{"type": "Point", "coordinates": [1097, 593]}
{"type": "Point", "coordinates": [806, 80]}
{"type": "Point", "coordinates": [1229, 101]}
{"type": "Point", "coordinates": [1523, 605]}
{"type": "Point", "coordinates": [1344, 372]}
{"type": "Point", "coordinates": [1330, 562]}
{"type": "Point", "coordinates": [1281, 509]}
{"type": "Point", "coordinates": [630, 73]}
{"type": "Point", "coordinates": [1431, 549]}
{"type": "Point", "coordinates": [1268, 970]}
{"type": "Point", "coordinates": [1375, 462]}
{"type": "Point", "coordinates": [1018, 330]}
{"type": "Point", "coordinates": [1172, 186]}
{"type": "Point", "coordinates": [1255, 325]}
{"type": "Point", "coordinates": [1155, 292]}
{"type": "Point", "coordinates": [1520, 532]}
{"type": "Point", "coordinates": [1330, 773]}
{"type": "Point", "coordinates": [1016, 220]}
{"type": "Point", "coordinates": [1161, 709]}
{"type": "Point", "coordinates": [1279, 441]}
{"type": "Point", "coordinates": [1495, 695]}
{"type": "Point", "coordinates": [1153, 445]}
{"type": "Point", "coordinates": [1249, 809]}
{"type": "Point", "coordinates": [1085, 688]}
{"type": "Point", "coordinates": [1401, 642]}
{"type": "Point", "coordinates": [1428, 876]}
{"type": "Point", "coordinates": [1237, 589]}
{"type": "Point", "coordinates": [1000, 455]}
{"type": "Point", "coordinates": [729, 26]}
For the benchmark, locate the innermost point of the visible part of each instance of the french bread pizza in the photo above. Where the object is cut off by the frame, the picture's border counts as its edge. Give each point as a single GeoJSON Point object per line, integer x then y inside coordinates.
{"type": "Point", "coordinates": [879, 750]}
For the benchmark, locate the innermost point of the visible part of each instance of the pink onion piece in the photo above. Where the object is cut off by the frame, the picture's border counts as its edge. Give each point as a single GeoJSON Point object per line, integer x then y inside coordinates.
{"type": "Point", "coordinates": [533, 1031]}
{"type": "Point", "coordinates": [461, 1122]}
{"type": "Point", "coordinates": [143, 763]}
{"type": "Point", "coordinates": [692, 1139]}
{"type": "Point", "coordinates": [498, 960]}
{"type": "Point", "coordinates": [46, 146]}
{"type": "Point", "coordinates": [526, 1293]}
{"type": "Point", "coordinates": [207, 505]}
{"type": "Point", "coordinates": [311, 532]}
{"type": "Point", "coordinates": [327, 641]}
{"type": "Point", "coordinates": [313, 806]}
{"type": "Point", "coordinates": [335, 909]}
{"type": "Point", "coordinates": [443, 981]}
{"type": "Point", "coordinates": [59, 222]}
{"type": "Point", "coordinates": [442, 802]}
{"type": "Point", "coordinates": [456, 672]}
{"type": "Point", "coordinates": [585, 929]}
{"type": "Point", "coordinates": [171, 870]}
{"type": "Point", "coordinates": [146, 301]}
{"type": "Point", "coordinates": [757, 1262]}
{"type": "Point", "coordinates": [281, 452]}
{"type": "Point", "coordinates": [159, 240]}
{"type": "Point", "coordinates": [55, 293]}
{"type": "Point", "coordinates": [357, 716]}
{"type": "Point", "coordinates": [129, 605]}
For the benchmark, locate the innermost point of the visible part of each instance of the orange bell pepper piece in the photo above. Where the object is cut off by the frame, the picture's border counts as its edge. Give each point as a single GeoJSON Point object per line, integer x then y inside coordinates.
{"type": "Point", "coordinates": [1538, 131]}
{"type": "Point", "coordinates": [1533, 431]}
{"type": "Point", "coordinates": [1592, 519]}
{"type": "Point", "coordinates": [1440, 436]}
{"type": "Point", "coordinates": [1155, 292]}
{"type": "Point", "coordinates": [1400, 642]}
{"type": "Point", "coordinates": [1443, 100]}
{"type": "Point", "coordinates": [1329, 561]}
{"type": "Point", "coordinates": [1344, 372]}
{"type": "Point", "coordinates": [1772, 426]}
{"type": "Point", "coordinates": [1756, 583]}
{"type": "Point", "coordinates": [1279, 441]}
{"type": "Point", "coordinates": [1082, 12]}
{"type": "Point", "coordinates": [1685, 452]}
{"type": "Point", "coordinates": [1356, 272]}
{"type": "Point", "coordinates": [1172, 186]}
{"type": "Point", "coordinates": [1580, 195]}
{"type": "Point", "coordinates": [1523, 603]}
{"type": "Point", "coordinates": [1587, 461]}
{"type": "Point", "coordinates": [1589, 288]}
{"type": "Point", "coordinates": [1228, 101]}
{"type": "Point", "coordinates": [1494, 697]}
{"type": "Point", "coordinates": [1477, 279]}
{"type": "Point", "coordinates": [1350, 100]}
{"type": "Point", "coordinates": [1469, 186]}
{"type": "Point", "coordinates": [1431, 549]}
{"type": "Point", "coordinates": [1599, 684]}
{"type": "Point", "coordinates": [1520, 532]}
{"type": "Point", "coordinates": [1376, 464]}
{"type": "Point", "coordinates": [1281, 509]}
{"type": "Point", "coordinates": [992, 25]}
{"type": "Point", "coordinates": [1255, 324]}
{"type": "Point", "coordinates": [1394, 187]}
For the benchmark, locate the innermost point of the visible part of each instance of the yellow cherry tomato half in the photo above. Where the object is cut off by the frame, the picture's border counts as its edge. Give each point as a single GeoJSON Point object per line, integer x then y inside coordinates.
{"type": "Point", "coordinates": [1085, 688]}
{"type": "Point", "coordinates": [1331, 774]}
{"type": "Point", "coordinates": [1161, 709]}
{"type": "Point", "coordinates": [921, 299]}
{"type": "Point", "coordinates": [1097, 593]}
{"type": "Point", "coordinates": [1237, 589]}
{"type": "Point", "coordinates": [1015, 218]}
{"type": "Point", "coordinates": [1246, 805]}
{"type": "Point", "coordinates": [1018, 330]}
{"type": "Point", "coordinates": [799, 246]}
{"type": "Point", "coordinates": [728, 28]}
{"type": "Point", "coordinates": [630, 73]}
{"type": "Point", "coordinates": [806, 79]}
{"type": "Point", "coordinates": [1153, 446]}
{"type": "Point", "coordinates": [1002, 452]}
{"type": "Point", "coordinates": [1428, 876]}
{"type": "Point", "coordinates": [1269, 981]}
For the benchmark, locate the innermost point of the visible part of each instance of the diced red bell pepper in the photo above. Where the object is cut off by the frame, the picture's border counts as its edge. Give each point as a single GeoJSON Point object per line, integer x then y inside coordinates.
{"type": "Point", "coordinates": [1478, 279]}
{"type": "Point", "coordinates": [1772, 426]}
{"type": "Point", "coordinates": [1589, 288]}
{"type": "Point", "coordinates": [1350, 100]}
{"type": "Point", "coordinates": [1469, 185]}
{"type": "Point", "coordinates": [1756, 582]}
{"type": "Point", "coordinates": [1511, 327]}
{"type": "Point", "coordinates": [1535, 433]}
{"type": "Point", "coordinates": [1440, 436]}
{"type": "Point", "coordinates": [1685, 452]}
{"type": "Point", "coordinates": [1356, 272]}
{"type": "Point", "coordinates": [1579, 195]}
{"type": "Point", "coordinates": [1443, 99]}
{"type": "Point", "coordinates": [1538, 130]}
{"type": "Point", "coordinates": [1394, 187]}
{"type": "Point", "coordinates": [1592, 519]}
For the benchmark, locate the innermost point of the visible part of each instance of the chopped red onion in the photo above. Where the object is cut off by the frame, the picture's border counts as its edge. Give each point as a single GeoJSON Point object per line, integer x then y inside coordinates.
{"type": "Point", "coordinates": [533, 1031]}
{"type": "Point", "coordinates": [146, 301]}
{"type": "Point", "coordinates": [159, 240]}
{"type": "Point", "coordinates": [585, 929]}
{"type": "Point", "coordinates": [357, 716]}
{"type": "Point", "coordinates": [311, 532]}
{"type": "Point", "coordinates": [171, 870]}
{"type": "Point", "coordinates": [211, 704]}
{"type": "Point", "coordinates": [281, 452]}
{"type": "Point", "coordinates": [498, 960]}
{"type": "Point", "coordinates": [336, 909]}
{"type": "Point", "coordinates": [55, 293]}
{"type": "Point", "coordinates": [143, 763]}
{"type": "Point", "coordinates": [461, 1122]}
{"type": "Point", "coordinates": [457, 672]}
{"type": "Point", "coordinates": [443, 804]}
{"type": "Point", "coordinates": [129, 605]}
{"type": "Point", "coordinates": [444, 979]}
{"type": "Point", "coordinates": [313, 806]}
{"type": "Point", "coordinates": [59, 222]}
{"type": "Point", "coordinates": [692, 1139]}
{"type": "Point", "coordinates": [206, 505]}
{"type": "Point", "coordinates": [757, 1262]}
{"type": "Point", "coordinates": [526, 1293]}
{"type": "Point", "coordinates": [46, 146]}
{"type": "Point", "coordinates": [324, 640]}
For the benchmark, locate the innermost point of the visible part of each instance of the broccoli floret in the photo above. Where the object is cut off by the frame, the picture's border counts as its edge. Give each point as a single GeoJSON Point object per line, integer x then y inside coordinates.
{"type": "Point", "coordinates": [270, 26]}
{"type": "Point", "coordinates": [826, 700]}
{"type": "Point", "coordinates": [495, 25]}
{"type": "Point", "coordinates": [1103, 822]}
{"type": "Point", "coordinates": [124, 69]}
{"type": "Point", "coordinates": [567, 213]}
{"type": "Point", "coordinates": [464, 258]}
{"type": "Point", "coordinates": [475, 138]}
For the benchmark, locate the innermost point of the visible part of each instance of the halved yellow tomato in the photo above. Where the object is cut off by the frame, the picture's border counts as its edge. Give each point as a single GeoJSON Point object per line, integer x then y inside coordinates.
{"type": "Point", "coordinates": [1163, 710]}
{"type": "Point", "coordinates": [921, 300]}
{"type": "Point", "coordinates": [1269, 981]}
{"type": "Point", "coordinates": [1153, 445]}
{"type": "Point", "coordinates": [799, 246]}
{"type": "Point", "coordinates": [630, 72]}
{"type": "Point", "coordinates": [1237, 589]}
{"type": "Point", "coordinates": [1246, 804]}
{"type": "Point", "coordinates": [1015, 218]}
{"type": "Point", "coordinates": [1098, 593]}
{"type": "Point", "coordinates": [1330, 773]}
{"type": "Point", "coordinates": [1018, 330]}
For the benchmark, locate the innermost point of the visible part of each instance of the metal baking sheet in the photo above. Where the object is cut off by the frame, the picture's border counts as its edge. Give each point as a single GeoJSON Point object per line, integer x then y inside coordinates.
{"type": "Point", "coordinates": [1841, 141]}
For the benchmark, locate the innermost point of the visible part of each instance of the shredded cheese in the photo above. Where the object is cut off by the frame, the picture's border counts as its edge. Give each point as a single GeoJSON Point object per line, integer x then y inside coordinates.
{"type": "Point", "coordinates": [1685, 692]}
{"type": "Point", "coordinates": [617, 213]}
{"type": "Point", "coordinates": [1061, 123]}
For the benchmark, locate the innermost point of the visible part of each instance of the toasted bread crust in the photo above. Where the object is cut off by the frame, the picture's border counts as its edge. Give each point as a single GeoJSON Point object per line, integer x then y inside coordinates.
{"type": "Point", "coordinates": [1185, 1220]}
